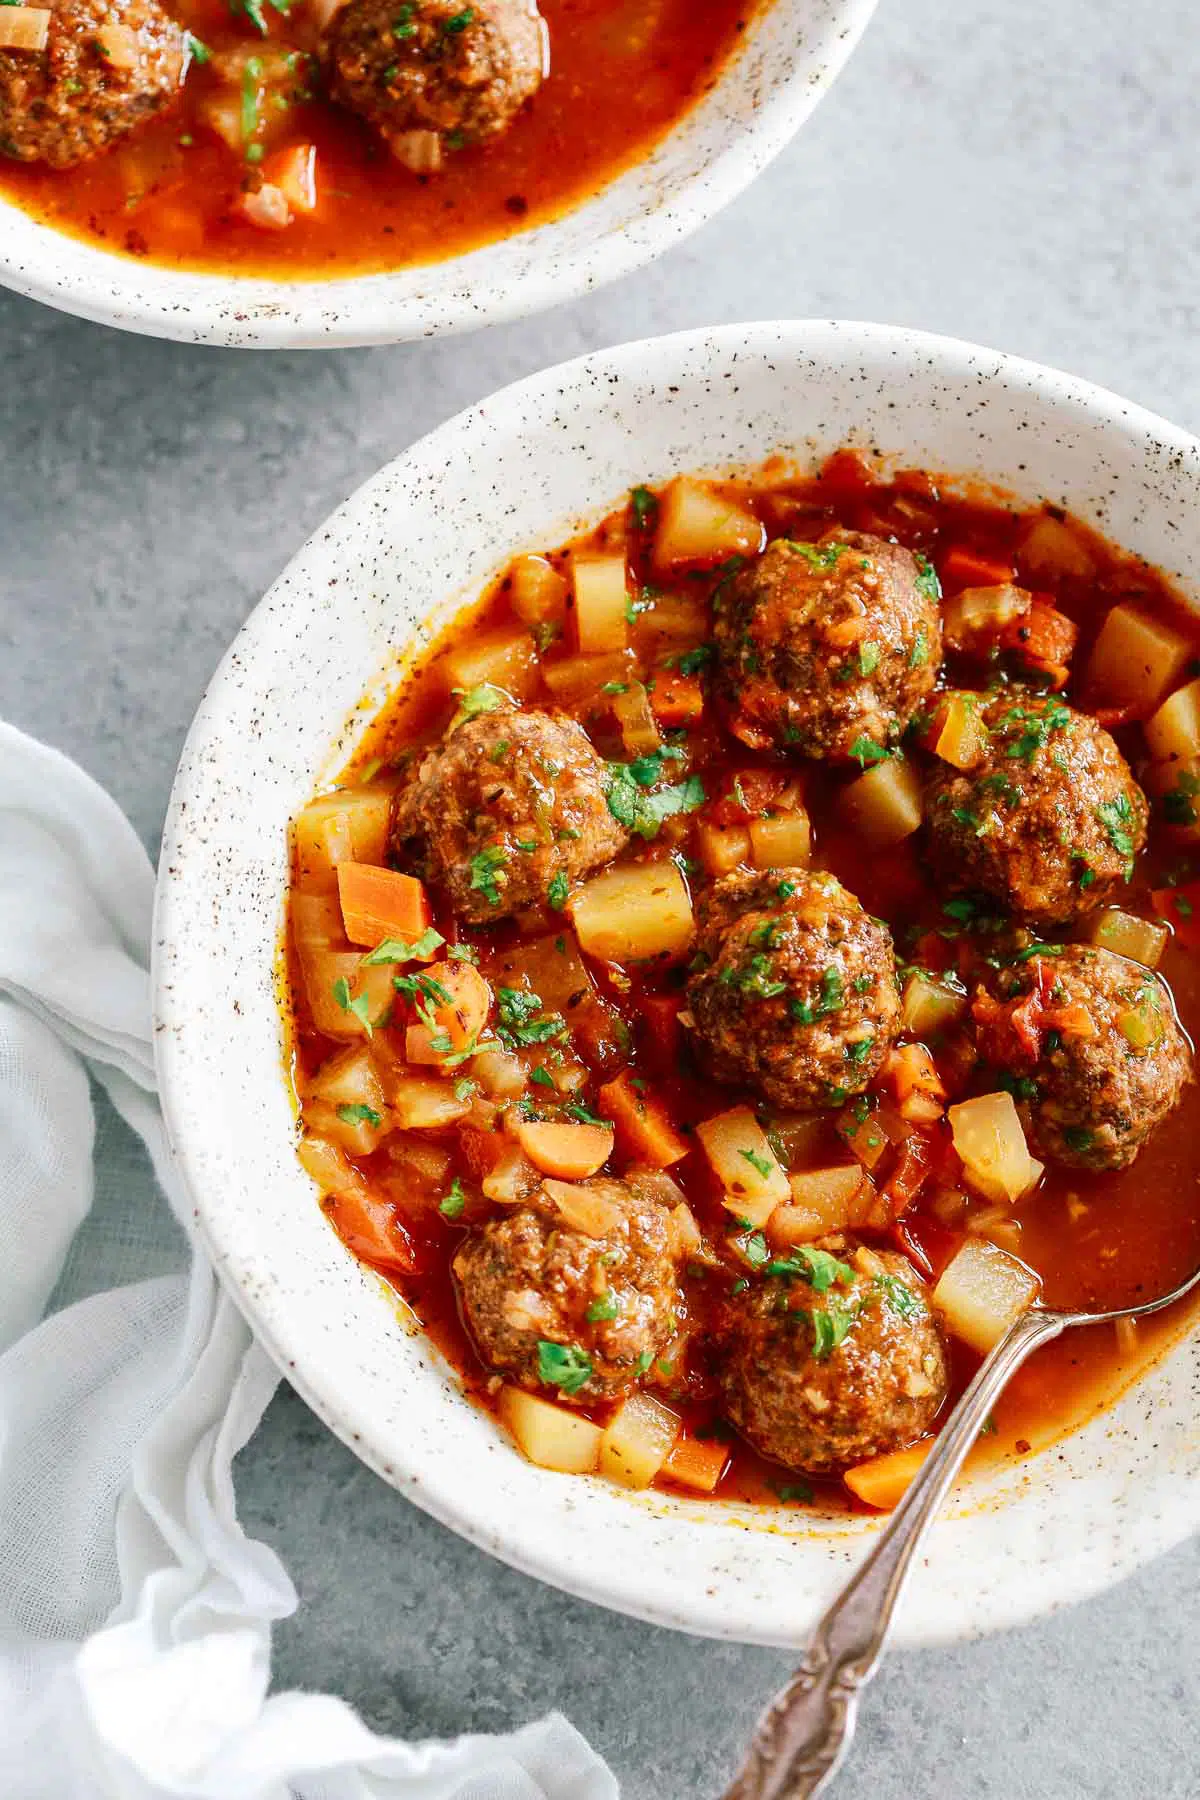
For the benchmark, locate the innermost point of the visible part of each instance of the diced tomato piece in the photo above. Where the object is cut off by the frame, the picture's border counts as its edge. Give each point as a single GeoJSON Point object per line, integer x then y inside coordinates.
{"type": "Point", "coordinates": [676, 699]}
{"type": "Point", "coordinates": [1180, 907]}
{"type": "Point", "coordinates": [961, 567]}
{"type": "Point", "coordinates": [1044, 639]}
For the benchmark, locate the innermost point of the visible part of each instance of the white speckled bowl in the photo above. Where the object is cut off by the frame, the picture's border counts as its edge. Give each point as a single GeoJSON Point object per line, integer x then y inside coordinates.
{"type": "Point", "coordinates": [790, 57]}
{"type": "Point", "coordinates": [522, 470]}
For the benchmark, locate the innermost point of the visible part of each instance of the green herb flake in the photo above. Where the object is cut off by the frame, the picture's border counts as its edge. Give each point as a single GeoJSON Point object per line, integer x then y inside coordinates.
{"type": "Point", "coordinates": [395, 950]}
{"type": "Point", "coordinates": [463, 953]}
{"type": "Point", "coordinates": [830, 997]}
{"type": "Point", "coordinates": [645, 507]}
{"type": "Point", "coordinates": [899, 1297]}
{"type": "Point", "coordinates": [454, 1205]}
{"type": "Point", "coordinates": [485, 866]}
{"type": "Point", "coordinates": [928, 584]}
{"type": "Point", "coordinates": [757, 1162]}
{"type": "Point", "coordinates": [474, 702]}
{"type": "Point", "coordinates": [360, 1115]}
{"type": "Point", "coordinates": [359, 1005]}
{"type": "Point", "coordinates": [819, 556]}
{"type": "Point", "coordinates": [868, 659]}
{"type": "Point", "coordinates": [1117, 818]}
{"type": "Point", "coordinates": [819, 1268]}
{"type": "Point", "coordinates": [542, 1077]}
{"type": "Point", "coordinates": [459, 22]}
{"type": "Point", "coordinates": [832, 1324]}
{"type": "Point", "coordinates": [798, 1492]}
{"type": "Point", "coordinates": [557, 892]}
{"type": "Point", "coordinates": [604, 1308]}
{"type": "Point", "coordinates": [564, 1366]}
{"type": "Point", "coordinates": [199, 52]}
{"type": "Point", "coordinates": [866, 752]}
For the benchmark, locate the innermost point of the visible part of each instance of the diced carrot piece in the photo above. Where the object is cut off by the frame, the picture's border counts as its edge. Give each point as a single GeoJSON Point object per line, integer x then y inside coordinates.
{"type": "Point", "coordinates": [457, 1019]}
{"type": "Point", "coordinates": [1180, 907]}
{"type": "Point", "coordinates": [697, 1463]}
{"type": "Point", "coordinates": [660, 1015]}
{"type": "Point", "coordinates": [1045, 639]}
{"type": "Point", "coordinates": [676, 699]}
{"type": "Point", "coordinates": [884, 1481]}
{"type": "Point", "coordinates": [644, 1131]}
{"type": "Point", "coordinates": [371, 1229]}
{"type": "Point", "coordinates": [571, 1152]}
{"type": "Point", "coordinates": [962, 567]}
{"type": "Point", "coordinates": [294, 173]}
{"type": "Point", "coordinates": [380, 903]}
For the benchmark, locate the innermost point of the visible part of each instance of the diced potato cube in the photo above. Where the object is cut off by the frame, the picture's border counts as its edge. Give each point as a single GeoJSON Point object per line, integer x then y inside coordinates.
{"type": "Point", "coordinates": [698, 525]}
{"type": "Point", "coordinates": [1135, 659]}
{"type": "Point", "coordinates": [349, 826]}
{"type": "Point", "coordinates": [347, 1126]}
{"type": "Point", "coordinates": [991, 1143]}
{"type": "Point", "coordinates": [639, 727]}
{"type": "Point", "coordinates": [329, 1167]}
{"type": "Point", "coordinates": [744, 1163]}
{"type": "Point", "coordinates": [783, 841]}
{"type": "Point", "coordinates": [349, 1079]}
{"type": "Point", "coordinates": [981, 1291]}
{"type": "Point", "coordinates": [832, 1194]}
{"type": "Point", "coordinates": [422, 1104]}
{"type": "Point", "coordinates": [601, 601]}
{"type": "Point", "coordinates": [722, 848]}
{"type": "Point", "coordinates": [930, 1006]}
{"type": "Point", "coordinates": [504, 658]}
{"type": "Point", "coordinates": [499, 1073]}
{"type": "Point", "coordinates": [549, 1435]}
{"type": "Point", "coordinates": [1142, 940]}
{"type": "Point", "coordinates": [512, 1177]}
{"type": "Point", "coordinates": [1050, 548]}
{"type": "Point", "coordinates": [638, 1441]}
{"type": "Point", "coordinates": [1174, 730]}
{"type": "Point", "coordinates": [975, 618]}
{"type": "Point", "coordinates": [1176, 787]}
{"type": "Point", "coordinates": [316, 920]}
{"type": "Point", "coordinates": [631, 913]}
{"type": "Point", "coordinates": [884, 804]}
{"type": "Point", "coordinates": [346, 998]}
{"type": "Point", "coordinates": [539, 592]}
{"type": "Point", "coordinates": [574, 678]}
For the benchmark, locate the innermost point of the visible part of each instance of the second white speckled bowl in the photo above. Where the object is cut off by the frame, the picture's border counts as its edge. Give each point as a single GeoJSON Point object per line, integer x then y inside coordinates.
{"type": "Point", "coordinates": [790, 57]}
{"type": "Point", "coordinates": [525, 469]}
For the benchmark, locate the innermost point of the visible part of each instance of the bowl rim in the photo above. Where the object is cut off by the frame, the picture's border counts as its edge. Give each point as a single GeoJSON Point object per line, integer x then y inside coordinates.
{"type": "Point", "coordinates": [438, 298]}
{"type": "Point", "coordinates": [1079, 1568]}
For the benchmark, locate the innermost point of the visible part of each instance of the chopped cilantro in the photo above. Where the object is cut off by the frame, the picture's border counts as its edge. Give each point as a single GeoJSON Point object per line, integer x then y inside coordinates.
{"type": "Point", "coordinates": [359, 1114]}
{"type": "Point", "coordinates": [832, 1324]}
{"type": "Point", "coordinates": [474, 701]}
{"type": "Point", "coordinates": [643, 1362]}
{"type": "Point", "coordinates": [521, 1021]}
{"type": "Point", "coordinates": [395, 950]}
{"type": "Point", "coordinates": [868, 658]}
{"type": "Point", "coordinates": [644, 813]}
{"type": "Point", "coordinates": [818, 1267]}
{"type": "Point", "coordinates": [799, 1491]}
{"type": "Point", "coordinates": [927, 581]}
{"type": "Point", "coordinates": [757, 1162]}
{"type": "Point", "coordinates": [866, 752]}
{"type": "Point", "coordinates": [459, 22]}
{"type": "Point", "coordinates": [542, 1076]}
{"type": "Point", "coordinates": [754, 977]}
{"type": "Point", "coordinates": [1021, 1087]}
{"type": "Point", "coordinates": [200, 53]}
{"type": "Point", "coordinates": [645, 507]}
{"type": "Point", "coordinates": [575, 1109]}
{"type": "Point", "coordinates": [556, 893]}
{"type": "Point", "coordinates": [465, 1088]}
{"type": "Point", "coordinates": [564, 1366]}
{"type": "Point", "coordinates": [690, 662]}
{"type": "Point", "coordinates": [454, 1205]}
{"type": "Point", "coordinates": [1023, 956]}
{"type": "Point", "coordinates": [359, 1005]}
{"type": "Point", "coordinates": [484, 869]}
{"type": "Point", "coordinates": [819, 556]}
{"type": "Point", "coordinates": [463, 953]}
{"type": "Point", "coordinates": [920, 651]}
{"type": "Point", "coordinates": [901, 1299]}
{"type": "Point", "coordinates": [1117, 818]}
{"type": "Point", "coordinates": [1078, 1138]}
{"type": "Point", "coordinates": [829, 1000]}
{"type": "Point", "coordinates": [615, 687]}
{"type": "Point", "coordinates": [604, 1308]}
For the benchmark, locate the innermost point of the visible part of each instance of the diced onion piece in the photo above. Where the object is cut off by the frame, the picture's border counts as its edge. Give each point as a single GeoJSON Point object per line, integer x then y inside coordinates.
{"type": "Point", "coordinates": [568, 1150]}
{"type": "Point", "coordinates": [265, 208]}
{"type": "Point", "coordinates": [1139, 939]}
{"type": "Point", "coordinates": [574, 678]}
{"type": "Point", "coordinates": [422, 1104]}
{"type": "Point", "coordinates": [698, 525]}
{"type": "Point", "coordinates": [332, 977]}
{"type": "Point", "coordinates": [1135, 659]}
{"type": "Point", "coordinates": [329, 1167]}
{"type": "Point", "coordinates": [697, 1463]}
{"type": "Point", "coordinates": [831, 1193]}
{"type": "Point", "coordinates": [512, 1178]}
{"type": "Point", "coordinates": [420, 151]}
{"type": "Point", "coordinates": [783, 841]}
{"type": "Point", "coordinates": [549, 1435]}
{"type": "Point", "coordinates": [538, 591]}
{"type": "Point", "coordinates": [981, 1291]}
{"type": "Point", "coordinates": [1174, 730]}
{"type": "Point", "coordinates": [639, 727]}
{"type": "Point", "coordinates": [24, 27]}
{"type": "Point", "coordinates": [638, 1441]}
{"type": "Point", "coordinates": [503, 659]}
{"type": "Point", "coordinates": [586, 1207]}
{"type": "Point", "coordinates": [316, 921]}
{"type": "Point", "coordinates": [722, 848]}
{"type": "Point", "coordinates": [673, 620]}
{"type": "Point", "coordinates": [1140, 1026]}
{"type": "Point", "coordinates": [884, 1481]}
{"type": "Point", "coordinates": [744, 1163]}
{"type": "Point", "coordinates": [929, 1006]}
{"type": "Point", "coordinates": [499, 1073]}
{"type": "Point", "coordinates": [963, 738]}
{"type": "Point", "coordinates": [294, 172]}
{"type": "Point", "coordinates": [884, 804]}
{"type": "Point", "coordinates": [631, 913]}
{"type": "Point", "coordinates": [976, 617]}
{"type": "Point", "coordinates": [991, 1144]}
{"type": "Point", "coordinates": [349, 826]}
{"type": "Point", "coordinates": [1050, 549]}
{"type": "Point", "coordinates": [998, 1226]}
{"type": "Point", "coordinates": [601, 599]}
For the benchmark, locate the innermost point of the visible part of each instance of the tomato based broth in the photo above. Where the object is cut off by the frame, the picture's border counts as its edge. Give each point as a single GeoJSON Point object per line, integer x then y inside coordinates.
{"type": "Point", "coordinates": [621, 76]}
{"type": "Point", "coordinates": [1096, 1240]}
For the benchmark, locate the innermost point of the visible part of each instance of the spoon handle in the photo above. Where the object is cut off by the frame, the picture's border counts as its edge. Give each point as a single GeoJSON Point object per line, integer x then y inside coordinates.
{"type": "Point", "coordinates": [804, 1733]}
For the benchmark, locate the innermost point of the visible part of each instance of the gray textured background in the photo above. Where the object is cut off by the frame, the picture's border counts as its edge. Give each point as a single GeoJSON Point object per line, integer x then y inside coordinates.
{"type": "Point", "coordinates": [1008, 171]}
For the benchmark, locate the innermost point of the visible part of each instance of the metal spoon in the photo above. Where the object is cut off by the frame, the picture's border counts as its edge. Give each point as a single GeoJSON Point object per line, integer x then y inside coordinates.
{"type": "Point", "coordinates": [804, 1734]}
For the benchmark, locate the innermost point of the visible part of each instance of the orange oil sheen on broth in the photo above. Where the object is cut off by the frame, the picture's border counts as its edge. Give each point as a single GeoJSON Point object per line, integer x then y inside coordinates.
{"type": "Point", "coordinates": [622, 75]}
{"type": "Point", "coordinates": [1096, 1240]}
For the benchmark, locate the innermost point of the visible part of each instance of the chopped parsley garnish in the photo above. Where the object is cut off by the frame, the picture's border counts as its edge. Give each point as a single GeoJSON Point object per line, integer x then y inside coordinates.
{"type": "Point", "coordinates": [359, 1114]}
{"type": "Point", "coordinates": [786, 889]}
{"type": "Point", "coordinates": [199, 53]}
{"type": "Point", "coordinates": [799, 1491]}
{"type": "Point", "coordinates": [690, 662]}
{"type": "Point", "coordinates": [1035, 727]}
{"type": "Point", "coordinates": [359, 1004]}
{"type": "Point", "coordinates": [1021, 1087]}
{"type": "Point", "coordinates": [542, 1076]}
{"type": "Point", "coordinates": [900, 1298]}
{"type": "Point", "coordinates": [754, 977]}
{"type": "Point", "coordinates": [521, 1020]}
{"type": "Point", "coordinates": [818, 1267]}
{"type": "Point", "coordinates": [615, 687]}
{"type": "Point", "coordinates": [604, 1308]}
{"type": "Point", "coordinates": [759, 1163]}
{"type": "Point", "coordinates": [395, 950]}
{"type": "Point", "coordinates": [1117, 818]}
{"type": "Point", "coordinates": [564, 1366]}
{"type": "Point", "coordinates": [484, 869]}
{"type": "Point", "coordinates": [1179, 805]}
{"type": "Point", "coordinates": [920, 651]}
{"type": "Point", "coordinates": [866, 752]}
{"type": "Point", "coordinates": [465, 1088]}
{"type": "Point", "coordinates": [1023, 956]}
{"type": "Point", "coordinates": [472, 702]}
{"type": "Point", "coordinates": [402, 25]}
{"type": "Point", "coordinates": [858, 1052]}
{"type": "Point", "coordinates": [556, 893]}
{"type": "Point", "coordinates": [575, 1109]}
{"type": "Point", "coordinates": [253, 10]}
{"type": "Point", "coordinates": [463, 953]}
{"type": "Point", "coordinates": [251, 76]}
{"type": "Point", "coordinates": [645, 507]}
{"type": "Point", "coordinates": [962, 910]}
{"type": "Point", "coordinates": [459, 22]}
{"type": "Point", "coordinates": [1078, 1138]}
{"type": "Point", "coordinates": [832, 1324]}
{"type": "Point", "coordinates": [829, 1000]}
{"type": "Point", "coordinates": [868, 658]}
{"type": "Point", "coordinates": [927, 582]}
{"type": "Point", "coordinates": [819, 556]}
{"type": "Point", "coordinates": [454, 1205]}
{"type": "Point", "coordinates": [753, 1248]}
{"type": "Point", "coordinates": [643, 1362]}
{"type": "Point", "coordinates": [642, 812]}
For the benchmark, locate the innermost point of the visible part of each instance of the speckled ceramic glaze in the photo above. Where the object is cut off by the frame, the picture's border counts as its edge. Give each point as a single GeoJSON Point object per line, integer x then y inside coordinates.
{"type": "Point", "coordinates": [522, 471]}
{"type": "Point", "coordinates": [790, 57]}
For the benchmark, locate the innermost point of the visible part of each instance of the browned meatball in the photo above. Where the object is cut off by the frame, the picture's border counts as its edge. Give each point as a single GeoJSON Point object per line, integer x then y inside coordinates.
{"type": "Point", "coordinates": [460, 71]}
{"type": "Point", "coordinates": [1048, 824]}
{"type": "Point", "coordinates": [107, 66]}
{"type": "Point", "coordinates": [507, 812]}
{"type": "Point", "coordinates": [793, 988]}
{"type": "Point", "coordinates": [828, 1362]}
{"type": "Point", "coordinates": [1090, 1047]}
{"type": "Point", "coordinates": [555, 1308]}
{"type": "Point", "coordinates": [823, 645]}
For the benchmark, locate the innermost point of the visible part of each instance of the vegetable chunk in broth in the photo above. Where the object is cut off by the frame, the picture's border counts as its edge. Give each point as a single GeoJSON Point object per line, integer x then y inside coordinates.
{"type": "Point", "coordinates": [751, 959]}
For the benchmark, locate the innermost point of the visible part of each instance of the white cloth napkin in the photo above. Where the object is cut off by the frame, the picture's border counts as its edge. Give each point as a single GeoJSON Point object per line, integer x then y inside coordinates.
{"type": "Point", "coordinates": [135, 1615]}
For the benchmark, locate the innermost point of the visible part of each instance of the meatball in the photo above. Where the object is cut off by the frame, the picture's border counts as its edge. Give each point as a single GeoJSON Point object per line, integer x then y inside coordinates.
{"type": "Point", "coordinates": [828, 1363]}
{"type": "Point", "coordinates": [507, 812]}
{"type": "Point", "coordinates": [554, 1307]}
{"type": "Point", "coordinates": [107, 66]}
{"type": "Point", "coordinates": [792, 988]}
{"type": "Point", "coordinates": [1090, 1047]}
{"type": "Point", "coordinates": [437, 66]}
{"type": "Point", "coordinates": [1049, 822]}
{"type": "Point", "coordinates": [822, 645]}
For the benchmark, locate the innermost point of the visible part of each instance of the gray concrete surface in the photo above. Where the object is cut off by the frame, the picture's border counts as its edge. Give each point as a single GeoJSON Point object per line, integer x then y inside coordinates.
{"type": "Point", "coordinates": [1016, 173]}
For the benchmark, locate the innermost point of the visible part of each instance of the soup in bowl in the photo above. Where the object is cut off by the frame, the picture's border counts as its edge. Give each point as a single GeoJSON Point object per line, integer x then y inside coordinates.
{"type": "Point", "coordinates": [725, 956]}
